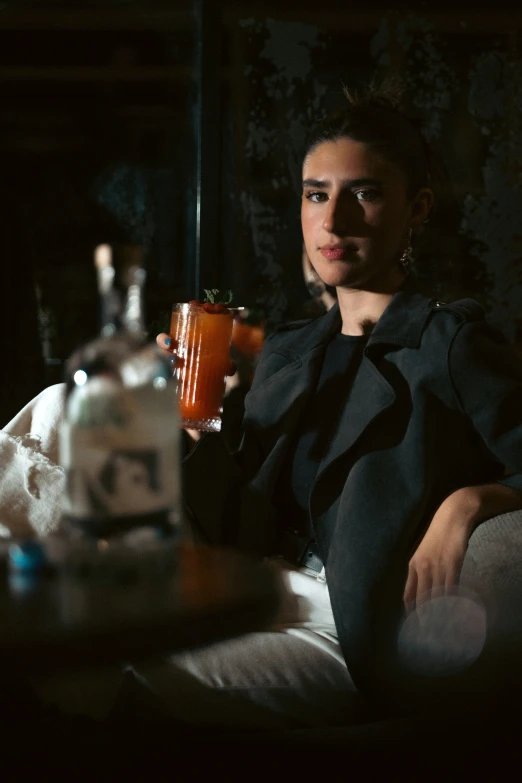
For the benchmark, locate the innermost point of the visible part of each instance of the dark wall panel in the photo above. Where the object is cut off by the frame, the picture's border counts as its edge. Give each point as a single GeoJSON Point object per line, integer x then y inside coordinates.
{"type": "Point", "coordinates": [102, 130]}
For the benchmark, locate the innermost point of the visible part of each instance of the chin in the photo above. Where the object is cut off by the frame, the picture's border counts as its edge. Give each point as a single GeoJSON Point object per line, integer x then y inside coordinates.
{"type": "Point", "coordinates": [339, 282]}
{"type": "Point", "coordinates": [335, 274]}
{"type": "Point", "coordinates": [344, 280]}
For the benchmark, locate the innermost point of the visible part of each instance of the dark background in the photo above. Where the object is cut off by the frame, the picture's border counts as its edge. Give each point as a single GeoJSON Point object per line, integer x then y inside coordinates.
{"type": "Point", "coordinates": [180, 125]}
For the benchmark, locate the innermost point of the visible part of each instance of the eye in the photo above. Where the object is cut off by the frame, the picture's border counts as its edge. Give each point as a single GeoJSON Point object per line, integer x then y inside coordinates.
{"type": "Point", "coordinates": [368, 194]}
{"type": "Point", "coordinates": [316, 196]}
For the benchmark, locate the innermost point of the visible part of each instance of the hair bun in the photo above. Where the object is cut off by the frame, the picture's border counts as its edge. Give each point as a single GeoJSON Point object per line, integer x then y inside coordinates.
{"type": "Point", "coordinates": [384, 95]}
{"type": "Point", "coordinates": [384, 102]}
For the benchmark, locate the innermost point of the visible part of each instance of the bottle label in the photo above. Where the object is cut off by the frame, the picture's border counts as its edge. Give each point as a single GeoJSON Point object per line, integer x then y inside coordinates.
{"type": "Point", "coordinates": [120, 451]}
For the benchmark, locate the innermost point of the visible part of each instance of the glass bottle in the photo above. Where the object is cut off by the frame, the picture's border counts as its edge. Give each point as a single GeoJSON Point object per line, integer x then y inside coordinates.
{"type": "Point", "coordinates": [120, 437]}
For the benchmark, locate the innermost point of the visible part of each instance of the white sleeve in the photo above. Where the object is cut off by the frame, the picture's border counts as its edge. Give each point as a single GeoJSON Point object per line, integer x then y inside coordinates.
{"type": "Point", "coordinates": [31, 482]}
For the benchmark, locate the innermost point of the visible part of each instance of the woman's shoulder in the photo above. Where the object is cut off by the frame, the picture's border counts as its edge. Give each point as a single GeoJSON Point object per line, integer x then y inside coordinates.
{"type": "Point", "coordinates": [464, 309]}
{"type": "Point", "coordinates": [462, 325]}
{"type": "Point", "coordinates": [463, 312]}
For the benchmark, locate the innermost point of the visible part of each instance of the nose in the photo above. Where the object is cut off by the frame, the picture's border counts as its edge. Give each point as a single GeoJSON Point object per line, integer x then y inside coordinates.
{"type": "Point", "coordinates": [336, 216]}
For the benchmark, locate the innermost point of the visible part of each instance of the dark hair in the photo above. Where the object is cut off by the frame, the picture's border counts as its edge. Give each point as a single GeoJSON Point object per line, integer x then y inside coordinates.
{"type": "Point", "coordinates": [375, 120]}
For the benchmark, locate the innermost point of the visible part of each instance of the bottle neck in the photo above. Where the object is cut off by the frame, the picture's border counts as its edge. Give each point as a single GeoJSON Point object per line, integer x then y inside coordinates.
{"type": "Point", "coordinates": [132, 316]}
{"type": "Point", "coordinates": [110, 302]}
{"type": "Point", "coordinates": [121, 278]}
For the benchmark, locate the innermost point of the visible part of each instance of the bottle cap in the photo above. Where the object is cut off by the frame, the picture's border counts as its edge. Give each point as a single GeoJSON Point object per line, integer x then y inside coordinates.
{"type": "Point", "coordinates": [119, 263]}
{"type": "Point", "coordinates": [27, 556]}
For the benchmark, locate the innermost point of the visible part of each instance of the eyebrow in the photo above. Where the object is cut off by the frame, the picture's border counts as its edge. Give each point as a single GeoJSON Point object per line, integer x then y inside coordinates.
{"type": "Point", "coordinates": [346, 183]}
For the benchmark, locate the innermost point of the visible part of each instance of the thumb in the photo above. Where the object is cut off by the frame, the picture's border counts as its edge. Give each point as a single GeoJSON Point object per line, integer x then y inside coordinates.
{"type": "Point", "coordinates": [166, 342]}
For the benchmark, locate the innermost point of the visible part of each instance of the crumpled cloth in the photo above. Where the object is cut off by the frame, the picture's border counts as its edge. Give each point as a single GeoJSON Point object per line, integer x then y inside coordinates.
{"type": "Point", "coordinates": [31, 481]}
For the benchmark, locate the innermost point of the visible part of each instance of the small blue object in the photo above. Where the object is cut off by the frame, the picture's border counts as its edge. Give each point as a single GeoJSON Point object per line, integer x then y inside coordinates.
{"type": "Point", "coordinates": [27, 556]}
{"type": "Point", "coordinates": [23, 582]}
{"type": "Point", "coordinates": [167, 341]}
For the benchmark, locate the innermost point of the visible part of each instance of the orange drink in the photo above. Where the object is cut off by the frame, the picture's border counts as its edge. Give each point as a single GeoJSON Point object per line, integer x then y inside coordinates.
{"type": "Point", "coordinates": [201, 341]}
{"type": "Point", "coordinates": [247, 338]}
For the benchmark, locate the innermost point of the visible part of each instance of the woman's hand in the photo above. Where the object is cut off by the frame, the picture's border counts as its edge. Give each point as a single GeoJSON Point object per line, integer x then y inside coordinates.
{"type": "Point", "coordinates": [438, 559]}
{"type": "Point", "coordinates": [437, 562]}
{"type": "Point", "coordinates": [166, 343]}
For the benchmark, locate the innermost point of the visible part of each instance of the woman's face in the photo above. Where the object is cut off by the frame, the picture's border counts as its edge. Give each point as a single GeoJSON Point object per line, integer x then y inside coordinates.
{"type": "Point", "coordinates": [356, 214]}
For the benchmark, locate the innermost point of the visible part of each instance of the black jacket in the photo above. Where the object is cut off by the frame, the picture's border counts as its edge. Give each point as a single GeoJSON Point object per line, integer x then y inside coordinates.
{"type": "Point", "coordinates": [436, 404]}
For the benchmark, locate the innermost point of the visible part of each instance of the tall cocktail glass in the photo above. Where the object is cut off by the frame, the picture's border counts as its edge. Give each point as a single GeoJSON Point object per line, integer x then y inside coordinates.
{"type": "Point", "coordinates": [201, 342]}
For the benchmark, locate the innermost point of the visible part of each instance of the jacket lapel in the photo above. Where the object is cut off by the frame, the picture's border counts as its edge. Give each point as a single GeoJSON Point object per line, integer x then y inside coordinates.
{"type": "Point", "coordinates": [274, 408]}
{"type": "Point", "coordinates": [289, 387]}
{"type": "Point", "coordinates": [297, 365]}
{"type": "Point", "coordinates": [369, 395]}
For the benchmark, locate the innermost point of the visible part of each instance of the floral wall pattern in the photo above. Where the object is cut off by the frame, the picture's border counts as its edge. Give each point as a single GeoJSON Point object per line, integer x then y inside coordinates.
{"type": "Point", "coordinates": [462, 77]}
{"type": "Point", "coordinates": [98, 138]}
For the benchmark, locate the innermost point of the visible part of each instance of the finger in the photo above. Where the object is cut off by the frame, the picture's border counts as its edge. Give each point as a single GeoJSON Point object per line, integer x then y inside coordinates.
{"type": "Point", "coordinates": [424, 583]}
{"type": "Point", "coordinates": [452, 574]}
{"type": "Point", "coordinates": [410, 589]}
{"type": "Point", "coordinates": [438, 578]}
{"type": "Point", "coordinates": [168, 348]}
{"type": "Point", "coordinates": [231, 382]}
{"type": "Point", "coordinates": [166, 342]}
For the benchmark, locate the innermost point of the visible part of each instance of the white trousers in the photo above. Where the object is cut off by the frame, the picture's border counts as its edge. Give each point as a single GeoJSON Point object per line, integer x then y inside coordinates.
{"type": "Point", "coordinates": [292, 675]}
{"type": "Point", "coordinates": [289, 676]}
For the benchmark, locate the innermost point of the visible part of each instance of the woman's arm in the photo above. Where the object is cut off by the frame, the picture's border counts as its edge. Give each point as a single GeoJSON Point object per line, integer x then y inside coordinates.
{"type": "Point", "coordinates": [486, 377]}
{"type": "Point", "coordinates": [437, 562]}
{"type": "Point", "coordinates": [215, 481]}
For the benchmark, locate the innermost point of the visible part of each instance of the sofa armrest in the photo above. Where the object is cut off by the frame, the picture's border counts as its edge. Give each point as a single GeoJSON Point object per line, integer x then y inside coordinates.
{"type": "Point", "coordinates": [492, 569]}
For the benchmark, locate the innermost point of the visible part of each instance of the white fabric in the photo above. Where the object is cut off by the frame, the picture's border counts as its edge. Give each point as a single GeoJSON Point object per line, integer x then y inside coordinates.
{"type": "Point", "coordinates": [31, 482]}
{"type": "Point", "coordinates": [291, 675]}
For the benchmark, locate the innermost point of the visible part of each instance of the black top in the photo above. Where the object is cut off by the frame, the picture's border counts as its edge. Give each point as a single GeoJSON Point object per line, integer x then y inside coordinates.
{"type": "Point", "coordinates": [340, 364]}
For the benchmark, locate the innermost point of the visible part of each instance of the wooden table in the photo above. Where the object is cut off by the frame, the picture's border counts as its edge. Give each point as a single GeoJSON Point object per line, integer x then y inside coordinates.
{"type": "Point", "coordinates": [197, 595]}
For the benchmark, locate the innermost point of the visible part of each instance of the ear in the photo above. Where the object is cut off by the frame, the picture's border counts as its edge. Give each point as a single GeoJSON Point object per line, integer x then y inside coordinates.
{"type": "Point", "coordinates": [421, 206]}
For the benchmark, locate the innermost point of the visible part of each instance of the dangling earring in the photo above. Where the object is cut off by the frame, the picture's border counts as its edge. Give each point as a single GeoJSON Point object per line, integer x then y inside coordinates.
{"type": "Point", "coordinates": [406, 260]}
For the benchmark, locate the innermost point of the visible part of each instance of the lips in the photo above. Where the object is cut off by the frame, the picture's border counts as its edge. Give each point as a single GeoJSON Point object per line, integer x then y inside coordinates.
{"type": "Point", "coordinates": [337, 252]}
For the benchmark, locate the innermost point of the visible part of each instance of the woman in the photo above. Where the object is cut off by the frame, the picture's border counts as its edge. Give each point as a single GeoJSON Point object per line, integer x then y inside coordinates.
{"type": "Point", "coordinates": [376, 437]}
{"type": "Point", "coordinates": [368, 429]}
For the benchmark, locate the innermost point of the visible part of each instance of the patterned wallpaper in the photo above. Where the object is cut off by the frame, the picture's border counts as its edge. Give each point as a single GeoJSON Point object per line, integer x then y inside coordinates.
{"type": "Point", "coordinates": [462, 75]}
{"type": "Point", "coordinates": [111, 152]}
